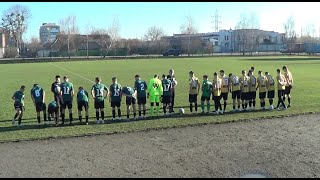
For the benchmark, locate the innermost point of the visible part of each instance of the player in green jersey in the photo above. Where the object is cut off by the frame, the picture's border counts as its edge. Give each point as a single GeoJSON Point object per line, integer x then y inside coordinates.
{"type": "Point", "coordinates": [67, 93]}
{"type": "Point", "coordinates": [131, 95]}
{"type": "Point", "coordinates": [18, 98]}
{"type": "Point", "coordinates": [53, 111]}
{"type": "Point", "coordinates": [206, 93]}
{"type": "Point", "coordinates": [38, 97]}
{"type": "Point", "coordinates": [83, 101]}
{"type": "Point", "coordinates": [141, 87]}
{"type": "Point", "coordinates": [167, 92]}
{"type": "Point", "coordinates": [98, 95]}
{"type": "Point", "coordinates": [155, 91]}
{"type": "Point", "coordinates": [115, 97]}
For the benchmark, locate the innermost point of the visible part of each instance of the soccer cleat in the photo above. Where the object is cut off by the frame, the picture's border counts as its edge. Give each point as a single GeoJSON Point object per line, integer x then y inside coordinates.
{"type": "Point", "coordinates": [101, 121]}
{"type": "Point", "coordinates": [98, 121]}
{"type": "Point", "coordinates": [289, 105]}
{"type": "Point", "coordinates": [13, 121]}
{"type": "Point", "coordinates": [87, 123]}
{"type": "Point", "coordinates": [19, 125]}
{"type": "Point", "coordinates": [216, 113]}
{"type": "Point", "coordinates": [221, 112]}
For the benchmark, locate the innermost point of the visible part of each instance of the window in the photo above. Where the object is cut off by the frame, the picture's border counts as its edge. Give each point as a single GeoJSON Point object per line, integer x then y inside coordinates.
{"type": "Point", "coordinates": [227, 38]}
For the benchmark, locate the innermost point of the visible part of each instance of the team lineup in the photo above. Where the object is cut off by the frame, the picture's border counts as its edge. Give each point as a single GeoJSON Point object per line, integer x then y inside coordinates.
{"type": "Point", "coordinates": [242, 89]}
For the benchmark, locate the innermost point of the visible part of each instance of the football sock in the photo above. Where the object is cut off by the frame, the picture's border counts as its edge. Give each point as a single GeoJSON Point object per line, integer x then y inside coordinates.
{"type": "Point", "coordinates": [202, 106]}
{"type": "Point", "coordinates": [119, 113]}
{"type": "Point", "coordinates": [38, 117]}
{"type": "Point", "coordinates": [114, 113]}
{"type": "Point", "coordinates": [102, 115]}
{"type": "Point", "coordinates": [19, 120]}
{"type": "Point", "coordinates": [261, 104]}
{"type": "Point", "coordinates": [134, 114]}
{"type": "Point", "coordinates": [128, 116]}
{"type": "Point", "coordinates": [196, 106]}
{"type": "Point", "coordinates": [250, 103]}
{"type": "Point", "coordinates": [164, 109]}
{"type": "Point", "coordinates": [234, 107]}
{"type": "Point", "coordinates": [190, 107]}
{"type": "Point", "coordinates": [140, 113]}
{"type": "Point", "coordinates": [44, 117]}
{"type": "Point", "coordinates": [158, 110]}
{"type": "Point", "coordinates": [70, 117]}
{"type": "Point", "coordinates": [242, 106]}
{"type": "Point", "coordinates": [208, 106]}
{"type": "Point", "coordinates": [97, 116]}
{"type": "Point", "coordinates": [225, 106]}
{"type": "Point", "coordinates": [62, 118]}
{"type": "Point", "coordinates": [87, 119]}
{"type": "Point", "coordinates": [144, 112]}
{"type": "Point", "coordinates": [80, 118]}
{"type": "Point", "coordinates": [245, 105]}
{"type": "Point", "coordinates": [238, 106]}
{"type": "Point", "coordinates": [220, 106]}
{"type": "Point", "coordinates": [254, 103]}
{"type": "Point", "coordinates": [15, 116]}
{"type": "Point", "coordinates": [49, 118]}
{"type": "Point", "coordinates": [289, 100]}
{"type": "Point", "coordinates": [270, 101]}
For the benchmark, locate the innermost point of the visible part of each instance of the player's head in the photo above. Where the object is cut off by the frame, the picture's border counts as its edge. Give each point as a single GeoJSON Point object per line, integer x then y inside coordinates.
{"type": "Point", "coordinates": [252, 69]}
{"type": "Point", "coordinates": [80, 88]}
{"type": "Point", "coordinates": [168, 76]}
{"type": "Point", "coordinates": [35, 84]}
{"type": "Point", "coordinates": [215, 75]}
{"type": "Point", "coordinates": [171, 72]}
{"type": "Point", "coordinates": [57, 78]}
{"type": "Point", "coordinates": [230, 75]}
{"type": "Point", "coordinates": [243, 72]}
{"type": "Point", "coordinates": [137, 77]}
{"type": "Point", "coordinates": [22, 88]}
{"type": "Point", "coordinates": [284, 68]}
{"type": "Point", "coordinates": [156, 76]}
{"type": "Point", "coordinates": [221, 72]}
{"type": "Point", "coordinates": [164, 76]}
{"type": "Point", "coordinates": [260, 73]}
{"type": "Point", "coordinates": [266, 73]}
{"type": "Point", "coordinates": [66, 79]}
{"type": "Point", "coordinates": [191, 73]}
{"type": "Point", "coordinates": [98, 79]}
{"type": "Point", "coordinates": [278, 71]}
{"type": "Point", "coordinates": [114, 79]}
{"type": "Point", "coordinates": [249, 72]}
{"type": "Point", "coordinates": [205, 77]}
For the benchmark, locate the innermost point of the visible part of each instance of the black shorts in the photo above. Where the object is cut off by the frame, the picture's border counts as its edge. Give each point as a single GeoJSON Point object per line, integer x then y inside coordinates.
{"type": "Point", "coordinates": [203, 98]}
{"type": "Point", "coordinates": [40, 107]}
{"type": "Point", "coordinates": [252, 95]}
{"type": "Point", "coordinates": [115, 104]}
{"type": "Point", "coordinates": [280, 93]}
{"type": "Point", "coordinates": [166, 99]}
{"type": "Point", "coordinates": [262, 95]}
{"type": "Point", "coordinates": [287, 90]}
{"type": "Point", "coordinates": [53, 110]}
{"type": "Point", "coordinates": [245, 96]}
{"type": "Point", "coordinates": [67, 104]}
{"type": "Point", "coordinates": [216, 98]}
{"type": "Point", "coordinates": [193, 98]}
{"type": "Point", "coordinates": [99, 104]}
{"type": "Point", "coordinates": [142, 100]}
{"type": "Point", "coordinates": [130, 100]}
{"type": "Point", "coordinates": [18, 105]}
{"type": "Point", "coordinates": [236, 94]}
{"type": "Point", "coordinates": [270, 94]}
{"type": "Point", "coordinates": [82, 104]}
{"type": "Point", "coordinates": [224, 96]}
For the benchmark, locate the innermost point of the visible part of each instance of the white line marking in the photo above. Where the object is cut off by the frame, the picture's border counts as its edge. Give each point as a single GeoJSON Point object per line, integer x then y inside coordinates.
{"type": "Point", "coordinates": [72, 73]}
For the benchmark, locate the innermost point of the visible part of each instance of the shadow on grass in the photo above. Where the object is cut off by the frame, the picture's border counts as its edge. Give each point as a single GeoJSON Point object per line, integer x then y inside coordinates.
{"type": "Point", "coordinates": [283, 59]}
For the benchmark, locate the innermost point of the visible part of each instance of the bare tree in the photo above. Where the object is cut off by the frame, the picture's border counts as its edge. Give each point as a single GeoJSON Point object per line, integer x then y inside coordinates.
{"type": "Point", "coordinates": [68, 29]}
{"type": "Point", "coordinates": [15, 20]}
{"type": "Point", "coordinates": [154, 35]}
{"type": "Point", "coordinates": [189, 28]}
{"type": "Point", "coordinates": [114, 32]}
{"type": "Point", "coordinates": [33, 46]}
{"type": "Point", "coordinates": [102, 38]}
{"type": "Point", "coordinates": [291, 35]}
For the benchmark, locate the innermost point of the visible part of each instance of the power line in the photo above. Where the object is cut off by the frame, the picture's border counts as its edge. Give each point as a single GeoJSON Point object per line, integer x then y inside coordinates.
{"type": "Point", "coordinates": [216, 21]}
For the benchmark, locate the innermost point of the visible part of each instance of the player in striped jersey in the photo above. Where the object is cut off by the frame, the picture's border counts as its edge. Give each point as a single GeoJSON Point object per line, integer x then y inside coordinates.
{"type": "Point", "coordinates": [194, 88]}
{"type": "Point", "coordinates": [288, 85]}
{"type": "Point", "coordinates": [244, 82]}
{"type": "Point", "coordinates": [235, 90]}
{"type": "Point", "coordinates": [262, 89]}
{"type": "Point", "coordinates": [270, 88]}
{"type": "Point", "coordinates": [281, 87]}
{"type": "Point", "coordinates": [252, 90]}
{"type": "Point", "coordinates": [225, 88]}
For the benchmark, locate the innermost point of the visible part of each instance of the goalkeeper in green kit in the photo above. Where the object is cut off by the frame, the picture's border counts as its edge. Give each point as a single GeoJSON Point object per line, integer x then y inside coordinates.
{"type": "Point", "coordinates": [155, 91]}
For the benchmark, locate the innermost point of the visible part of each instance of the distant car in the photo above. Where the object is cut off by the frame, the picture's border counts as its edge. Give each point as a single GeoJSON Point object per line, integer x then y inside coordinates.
{"type": "Point", "coordinates": [172, 52]}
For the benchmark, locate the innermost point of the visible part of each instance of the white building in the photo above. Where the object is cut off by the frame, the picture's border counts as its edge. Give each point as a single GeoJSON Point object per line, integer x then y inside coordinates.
{"type": "Point", "coordinates": [48, 32]}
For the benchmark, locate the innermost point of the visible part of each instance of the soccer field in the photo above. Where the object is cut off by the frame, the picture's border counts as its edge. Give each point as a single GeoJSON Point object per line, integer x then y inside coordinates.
{"type": "Point", "coordinates": [305, 91]}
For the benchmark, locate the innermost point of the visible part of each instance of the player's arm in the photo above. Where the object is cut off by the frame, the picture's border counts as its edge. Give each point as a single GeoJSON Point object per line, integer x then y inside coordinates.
{"type": "Point", "coordinates": [31, 93]}
{"type": "Point", "coordinates": [107, 94]}
{"type": "Point", "coordinates": [92, 93]}
{"type": "Point", "coordinates": [44, 96]}
{"type": "Point", "coordinates": [198, 86]}
{"type": "Point", "coordinates": [149, 88]}
{"type": "Point", "coordinates": [258, 84]}
{"type": "Point", "coordinates": [72, 91]}
{"type": "Point", "coordinates": [14, 97]}
{"type": "Point", "coordinates": [52, 87]}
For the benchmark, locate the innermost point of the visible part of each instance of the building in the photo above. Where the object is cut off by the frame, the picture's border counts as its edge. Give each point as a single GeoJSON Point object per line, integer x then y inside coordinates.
{"type": "Point", "coordinates": [48, 32]}
{"type": "Point", "coordinates": [5, 41]}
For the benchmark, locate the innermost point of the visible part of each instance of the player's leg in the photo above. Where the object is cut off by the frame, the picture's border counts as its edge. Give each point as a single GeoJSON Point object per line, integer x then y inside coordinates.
{"type": "Point", "coordinates": [70, 111]}
{"type": "Point", "coordinates": [113, 106]}
{"type": "Point", "coordinates": [101, 107]}
{"type": "Point", "coordinates": [118, 105]}
{"type": "Point", "coordinates": [80, 104]}
{"type": "Point", "coordinates": [134, 107]}
{"type": "Point", "coordinates": [254, 96]}
{"type": "Point", "coordinates": [250, 100]}
{"type": "Point", "coordinates": [238, 98]}
{"type": "Point", "coordinates": [164, 104]}
{"type": "Point", "coordinates": [44, 111]}
{"type": "Point", "coordinates": [144, 102]}
{"type": "Point", "coordinates": [202, 103]}
{"type": "Point", "coordinates": [139, 108]}
{"type": "Point", "coordinates": [38, 109]}
{"type": "Point", "coordinates": [20, 111]}
{"type": "Point", "coordinates": [233, 101]}
{"type": "Point", "coordinates": [190, 101]}
{"type": "Point", "coordinates": [63, 108]}
{"type": "Point", "coordinates": [242, 100]}
{"type": "Point", "coordinates": [219, 104]}
{"type": "Point", "coordinates": [215, 99]}
{"type": "Point", "coordinates": [152, 102]}
{"type": "Point", "coordinates": [208, 104]}
{"type": "Point", "coordinates": [128, 103]}
{"type": "Point", "coordinates": [247, 99]}
{"type": "Point", "coordinates": [49, 114]}
{"type": "Point", "coordinates": [86, 107]}
{"type": "Point", "coordinates": [96, 106]}
{"type": "Point", "coordinates": [157, 100]}
{"type": "Point", "coordinates": [289, 96]}
{"type": "Point", "coordinates": [172, 103]}
{"type": "Point", "coordinates": [225, 98]}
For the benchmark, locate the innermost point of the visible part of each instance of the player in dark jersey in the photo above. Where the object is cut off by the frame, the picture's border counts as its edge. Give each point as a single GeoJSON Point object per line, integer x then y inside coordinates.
{"type": "Point", "coordinates": [55, 89]}
{"type": "Point", "coordinates": [38, 98]}
{"type": "Point", "coordinates": [167, 92]}
{"type": "Point", "coordinates": [98, 95]}
{"type": "Point", "coordinates": [67, 93]}
{"type": "Point", "coordinates": [83, 101]}
{"type": "Point", "coordinates": [174, 84]}
{"type": "Point", "coordinates": [141, 87]}
{"type": "Point", "coordinates": [115, 97]}
{"type": "Point", "coordinates": [18, 98]}
{"type": "Point", "coordinates": [131, 96]}
{"type": "Point", "coordinates": [53, 111]}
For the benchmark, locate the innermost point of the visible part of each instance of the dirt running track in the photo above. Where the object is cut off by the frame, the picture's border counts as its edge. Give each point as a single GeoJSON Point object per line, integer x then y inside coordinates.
{"type": "Point", "coordinates": [287, 147]}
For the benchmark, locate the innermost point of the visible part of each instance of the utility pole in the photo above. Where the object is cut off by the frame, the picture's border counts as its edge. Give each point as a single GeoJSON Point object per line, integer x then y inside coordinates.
{"type": "Point", "coordinates": [87, 46]}
{"type": "Point", "coordinates": [216, 21]}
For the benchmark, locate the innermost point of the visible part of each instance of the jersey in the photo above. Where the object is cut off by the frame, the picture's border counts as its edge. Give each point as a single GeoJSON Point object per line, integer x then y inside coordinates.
{"type": "Point", "coordinates": [288, 77]}
{"type": "Point", "coordinates": [19, 97]}
{"type": "Point", "coordinates": [66, 89]}
{"type": "Point", "coordinates": [235, 83]}
{"type": "Point", "coordinates": [54, 86]}
{"type": "Point", "coordinates": [116, 91]}
{"type": "Point", "coordinates": [128, 91]}
{"type": "Point", "coordinates": [252, 83]}
{"type": "Point", "coordinates": [37, 94]}
{"type": "Point", "coordinates": [174, 83]}
{"type": "Point", "coordinates": [82, 96]}
{"type": "Point", "coordinates": [167, 87]}
{"type": "Point", "coordinates": [262, 84]}
{"type": "Point", "coordinates": [245, 82]}
{"type": "Point", "coordinates": [194, 83]}
{"type": "Point", "coordinates": [141, 87]}
{"type": "Point", "coordinates": [99, 91]}
{"type": "Point", "coordinates": [270, 83]}
{"type": "Point", "coordinates": [281, 84]}
{"type": "Point", "coordinates": [225, 84]}
{"type": "Point", "coordinates": [53, 105]}
{"type": "Point", "coordinates": [206, 88]}
{"type": "Point", "coordinates": [217, 86]}
{"type": "Point", "coordinates": [155, 87]}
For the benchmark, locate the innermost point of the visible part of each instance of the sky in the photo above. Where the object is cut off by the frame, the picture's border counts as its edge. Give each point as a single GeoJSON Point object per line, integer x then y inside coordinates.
{"type": "Point", "coordinates": [136, 17]}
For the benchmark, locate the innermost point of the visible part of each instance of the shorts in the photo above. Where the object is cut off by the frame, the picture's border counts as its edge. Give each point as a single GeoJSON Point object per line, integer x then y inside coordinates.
{"type": "Point", "coordinates": [193, 98]}
{"type": "Point", "coordinates": [252, 95]}
{"type": "Point", "coordinates": [82, 104]}
{"type": "Point", "coordinates": [53, 110]}
{"type": "Point", "coordinates": [17, 106]}
{"type": "Point", "coordinates": [142, 100]}
{"type": "Point", "coordinates": [245, 96]}
{"type": "Point", "coordinates": [262, 95]}
{"type": "Point", "coordinates": [280, 93]}
{"type": "Point", "coordinates": [115, 104]}
{"type": "Point", "coordinates": [204, 98]}
{"type": "Point", "coordinates": [224, 96]}
{"type": "Point", "coordinates": [270, 94]}
{"type": "Point", "coordinates": [40, 107]}
{"type": "Point", "coordinates": [130, 100]}
{"type": "Point", "coordinates": [216, 98]}
{"type": "Point", "coordinates": [154, 99]}
{"type": "Point", "coordinates": [236, 94]}
{"type": "Point", "coordinates": [67, 104]}
{"type": "Point", "coordinates": [99, 104]}
{"type": "Point", "coordinates": [166, 99]}
{"type": "Point", "coordinates": [287, 90]}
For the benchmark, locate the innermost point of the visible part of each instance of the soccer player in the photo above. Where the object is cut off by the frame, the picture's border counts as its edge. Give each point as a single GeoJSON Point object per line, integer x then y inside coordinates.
{"type": "Point", "coordinates": [53, 111]}
{"type": "Point", "coordinates": [194, 88]}
{"type": "Point", "coordinates": [270, 88]}
{"type": "Point", "coordinates": [281, 87]}
{"type": "Point", "coordinates": [98, 95]}
{"type": "Point", "coordinates": [83, 101]}
{"type": "Point", "coordinates": [174, 84]}
{"type": "Point", "coordinates": [206, 93]}
{"type": "Point", "coordinates": [252, 91]}
{"type": "Point", "coordinates": [244, 81]}
{"type": "Point", "coordinates": [217, 93]}
{"type": "Point", "coordinates": [141, 86]}
{"type": "Point", "coordinates": [225, 88]}
{"type": "Point", "coordinates": [288, 86]}
{"type": "Point", "coordinates": [67, 93]}
{"type": "Point", "coordinates": [115, 97]}
{"type": "Point", "coordinates": [262, 89]}
{"type": "Point", "coordinates": [38, 98]}
{"type": "Point", "coordinates": [54, 86]}
{"type": "Point", "coordinates": [235, 90]}
{"type": "Point", "coordinates": [167, 92]}
{"type": "Point", "coordinates": [155, 91]}
{"type": "Point", "coordinates": [130, 95]}
{"type": "Point", "coordinates": [18, 98]}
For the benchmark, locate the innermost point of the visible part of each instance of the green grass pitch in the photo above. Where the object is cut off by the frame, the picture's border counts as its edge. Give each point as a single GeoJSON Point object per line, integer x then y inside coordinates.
{"type": "Point", "coordinates": [305, 92]}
